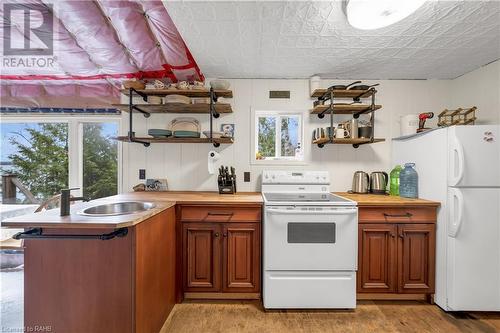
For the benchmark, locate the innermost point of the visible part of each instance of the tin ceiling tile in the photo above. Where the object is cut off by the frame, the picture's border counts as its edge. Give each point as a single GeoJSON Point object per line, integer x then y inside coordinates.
{"type": "Point", "coordinates": [442, 39]}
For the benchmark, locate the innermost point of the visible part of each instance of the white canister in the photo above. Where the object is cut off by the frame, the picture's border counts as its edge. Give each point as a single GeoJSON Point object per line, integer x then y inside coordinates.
{"type": "Point", "coordinates": [314, 83]}
{"type": "Point", "coordinates": [409, 124]}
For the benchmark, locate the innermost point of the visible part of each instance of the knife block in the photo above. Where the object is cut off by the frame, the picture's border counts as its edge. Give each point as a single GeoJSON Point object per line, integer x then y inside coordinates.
{"type": "Point", "coordinates": [227, 187]}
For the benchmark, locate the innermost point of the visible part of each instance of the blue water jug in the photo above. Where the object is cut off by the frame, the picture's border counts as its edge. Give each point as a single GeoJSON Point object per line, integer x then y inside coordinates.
{"type": "Point", "coordinates": [408, 181]}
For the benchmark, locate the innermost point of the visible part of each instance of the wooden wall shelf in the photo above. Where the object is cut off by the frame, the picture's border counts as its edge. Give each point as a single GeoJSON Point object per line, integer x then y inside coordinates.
{"type": "Point", "coordinates": [188, 93]}
{"type": "Point", "coordinates": [345, 109]}
{"type": "Point", "coordinates": [149, 139]}
{"type": "Point", "coordinates": [178, 108]}
{"type": "Point", "coordinates": [344, 93]}
{"type": "Point", "coordinates": [347, 141]}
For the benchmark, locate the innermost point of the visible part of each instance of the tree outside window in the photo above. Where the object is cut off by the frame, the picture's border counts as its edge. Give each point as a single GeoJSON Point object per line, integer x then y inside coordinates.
{"type": "Point", "coordinates": [278, 136]}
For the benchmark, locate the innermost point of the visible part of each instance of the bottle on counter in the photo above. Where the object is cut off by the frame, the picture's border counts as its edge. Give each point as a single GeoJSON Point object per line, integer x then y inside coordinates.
{"type": "Point", "coordinates": [408, 181]}
{"type": "Point", "coordinates": [394, 180]}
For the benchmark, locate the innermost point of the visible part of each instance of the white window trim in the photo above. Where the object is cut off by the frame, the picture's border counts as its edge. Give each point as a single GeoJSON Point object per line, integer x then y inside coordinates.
{"type": "Point", "coordinates": [253, 140]}
{"type": "Point", "coordinates": [75, 141]}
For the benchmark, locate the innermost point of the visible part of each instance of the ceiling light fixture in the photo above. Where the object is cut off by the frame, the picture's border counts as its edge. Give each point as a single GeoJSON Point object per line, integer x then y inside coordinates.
{"type": "Point", "coordinates": [375, 14]}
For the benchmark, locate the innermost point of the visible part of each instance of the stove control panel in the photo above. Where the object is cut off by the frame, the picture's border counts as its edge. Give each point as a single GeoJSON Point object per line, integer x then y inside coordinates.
{"type": "Point", "coordinates": [295, 177]}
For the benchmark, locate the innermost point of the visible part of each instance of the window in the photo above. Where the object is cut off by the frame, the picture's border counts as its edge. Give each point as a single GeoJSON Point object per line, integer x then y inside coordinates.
{"type": "Point", "coordinates": [277, 136]}
{"type": "Point", "coordinates": [46, 156]}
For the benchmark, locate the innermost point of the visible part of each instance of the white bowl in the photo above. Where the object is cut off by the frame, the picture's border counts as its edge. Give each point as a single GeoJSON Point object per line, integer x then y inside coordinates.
{"type": "Point", "coordinates": [220, 84]}
{"type": "Point", "coordinates": [215, 134]}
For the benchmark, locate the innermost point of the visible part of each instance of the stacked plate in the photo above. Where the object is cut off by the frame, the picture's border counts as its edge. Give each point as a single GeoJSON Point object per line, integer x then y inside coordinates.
{"type": "Point", "coordinates": [159, 133]}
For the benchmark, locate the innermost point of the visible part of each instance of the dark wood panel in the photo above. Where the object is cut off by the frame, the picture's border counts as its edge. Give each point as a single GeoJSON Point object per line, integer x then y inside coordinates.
{"type": "Point", "coordinates": [416, 258]}
{"type": "Point", "coordinates": [155, 266]}
{"type": "Point", "coordinates": [241, 257]}
{"type": "Point", "coordinates": [201, 256]}
{"type": "Point", "coordinates": [397, 214]}
{"type": "Point", "coordinates": [79, 285]}
{"type": "Point", "coordinates": [220, 213]}
{"type": "Point", "coordinates": [377, 258]}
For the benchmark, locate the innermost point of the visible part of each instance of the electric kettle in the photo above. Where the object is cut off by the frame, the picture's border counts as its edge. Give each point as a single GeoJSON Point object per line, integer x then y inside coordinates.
{"type": "Point", "coordinates": [360, 182]}
{"type": "Point", "coordinates": [378, 182]}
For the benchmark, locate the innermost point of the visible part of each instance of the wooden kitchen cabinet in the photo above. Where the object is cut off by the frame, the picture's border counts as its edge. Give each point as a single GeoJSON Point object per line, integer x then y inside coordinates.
{"type": "Point", "coordinates": [396, 251]}
{"type": "Point", "coordinates": [416, 258]}
{"type": "Point", "coordinates": [377, 258]}
{"type": "Point", "coordinates": [221, 251]}
{"type": "Point", "coordinates": [201, 256]}
{"type": "Point", "coordinates": [241, 257]}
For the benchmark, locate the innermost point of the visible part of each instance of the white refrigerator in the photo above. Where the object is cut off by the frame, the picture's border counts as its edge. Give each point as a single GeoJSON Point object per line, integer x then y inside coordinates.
{"type": "Point", "coordinates": [459, 166]}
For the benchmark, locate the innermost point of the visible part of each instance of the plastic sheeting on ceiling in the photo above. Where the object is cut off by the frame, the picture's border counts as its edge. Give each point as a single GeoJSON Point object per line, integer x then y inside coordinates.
{"type": "Point", "coordinates": [96, 45]}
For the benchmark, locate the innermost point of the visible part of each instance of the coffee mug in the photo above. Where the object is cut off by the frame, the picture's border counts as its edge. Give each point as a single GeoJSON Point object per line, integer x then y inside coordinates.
{"type": "Point", "coordinates": [341, 133]}
{"type": "Point", "coordinates": [330, 131]}
{"type": "Point", "coordinates": [319, 133]}
{"type": "Point", "coordinates": [365, 132]}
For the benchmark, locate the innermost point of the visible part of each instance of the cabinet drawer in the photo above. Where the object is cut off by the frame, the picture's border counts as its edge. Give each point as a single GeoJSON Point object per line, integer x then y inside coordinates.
{"type": "Point", "coordinates": [218, 213]}
{"type": "Point", "coordinates": [397, 214]}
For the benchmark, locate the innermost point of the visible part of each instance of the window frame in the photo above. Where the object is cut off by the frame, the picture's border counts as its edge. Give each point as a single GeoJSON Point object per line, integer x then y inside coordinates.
{"type": "Point", "coordinates": [279, 160]}
{"type": "Point", "coordinates": [75, 142]}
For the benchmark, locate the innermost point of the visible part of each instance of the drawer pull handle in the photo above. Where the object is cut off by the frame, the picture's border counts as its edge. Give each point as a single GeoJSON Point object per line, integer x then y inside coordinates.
{"type": "Point", "coordinates": [408, 215]}
{"type": "Point", "coordinates": [226, 215]}
{"type": "Point", "coordinates": [220, 214]}
{"type": "Point", "coordinates": [216, 235]}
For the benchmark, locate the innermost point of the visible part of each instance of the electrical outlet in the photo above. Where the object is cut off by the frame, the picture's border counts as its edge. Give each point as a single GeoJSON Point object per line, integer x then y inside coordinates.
{"type": "Point", "coordinates": [246, 176]}
{"type": "Point", "coordinates": [142, 173]}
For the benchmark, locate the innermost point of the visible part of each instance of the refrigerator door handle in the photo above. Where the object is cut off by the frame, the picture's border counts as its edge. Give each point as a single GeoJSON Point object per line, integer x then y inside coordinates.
{"type": "Point", "coordinates": [456, 220]}
{"type": "Point", "coordinates": [459, 166]}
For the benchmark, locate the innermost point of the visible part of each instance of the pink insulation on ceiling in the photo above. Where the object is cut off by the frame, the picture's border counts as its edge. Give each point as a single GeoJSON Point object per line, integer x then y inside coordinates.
{"type": "Point", "coordinates": [97, 45]}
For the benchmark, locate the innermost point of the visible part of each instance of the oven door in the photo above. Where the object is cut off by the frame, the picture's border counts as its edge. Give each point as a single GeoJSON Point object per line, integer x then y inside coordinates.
{"type": "Point", "coordinates": [310, 238]}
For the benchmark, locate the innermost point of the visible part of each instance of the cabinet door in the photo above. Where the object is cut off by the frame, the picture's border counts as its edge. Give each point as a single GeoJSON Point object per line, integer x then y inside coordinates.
{"type": "Point", "coordinates": [416, 262]}
{"type": "Point", "coordinates": [201, 248]}
{"type": "Point", "coordinates": [377, 258]}
{"type": "Point", "coordinates": [241, 257]}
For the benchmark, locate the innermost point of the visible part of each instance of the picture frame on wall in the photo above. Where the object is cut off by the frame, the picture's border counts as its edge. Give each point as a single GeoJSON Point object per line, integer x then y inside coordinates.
{"type": "Point", "coordinates": [227, 130]}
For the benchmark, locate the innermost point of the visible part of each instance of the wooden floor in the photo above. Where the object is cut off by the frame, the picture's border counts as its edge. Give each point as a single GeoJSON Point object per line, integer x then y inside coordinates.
{"type": "Point", "coordinates": [370, 316]}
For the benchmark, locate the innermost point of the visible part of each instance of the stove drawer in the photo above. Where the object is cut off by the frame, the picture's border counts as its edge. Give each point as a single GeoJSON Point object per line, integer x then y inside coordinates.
{"type": "Point", "coordinates": [397, 214]}
{"type": "Point", "coordinates": [219, 213]}
{"type": "Point", "coordinates": [309, 289]}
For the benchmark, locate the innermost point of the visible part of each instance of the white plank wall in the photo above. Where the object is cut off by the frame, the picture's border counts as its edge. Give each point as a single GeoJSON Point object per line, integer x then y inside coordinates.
{"type": "Point", "coordinates": [185, 165]}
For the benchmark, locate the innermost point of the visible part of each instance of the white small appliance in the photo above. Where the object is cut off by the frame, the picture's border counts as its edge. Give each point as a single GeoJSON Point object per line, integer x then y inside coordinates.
{"type": "Point", "coordinates": [310, 242]}
{"type": "Point", "coordinates": [409, 124]}
{"type": "Point", "coordinates": [213, 157]}
{"type": "Point", "coordinates": [459, 166]}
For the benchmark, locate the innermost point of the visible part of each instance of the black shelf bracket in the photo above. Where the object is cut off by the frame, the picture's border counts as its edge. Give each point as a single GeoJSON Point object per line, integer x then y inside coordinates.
{"type": "Point", "coordinates": [37, 233]}
{"type": "Point", "coordinates": [145, 113]}
{"type": "Point", "coordinates": [131, 108]}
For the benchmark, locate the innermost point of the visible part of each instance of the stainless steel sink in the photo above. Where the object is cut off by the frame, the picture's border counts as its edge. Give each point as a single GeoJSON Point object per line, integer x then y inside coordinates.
{"type": "Point", "coordinates": [117, 208]}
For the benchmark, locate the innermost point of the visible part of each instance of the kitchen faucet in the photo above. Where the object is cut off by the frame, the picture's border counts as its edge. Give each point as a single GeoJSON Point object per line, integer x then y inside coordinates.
{"type": "Point", "coordinates": [66, 200]}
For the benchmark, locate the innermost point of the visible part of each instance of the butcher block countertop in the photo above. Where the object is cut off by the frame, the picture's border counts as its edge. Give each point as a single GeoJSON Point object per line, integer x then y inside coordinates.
{"type": "Point", "coordinates": [377, 200]}
{"type": "Point", "coordinates": [162, 200]}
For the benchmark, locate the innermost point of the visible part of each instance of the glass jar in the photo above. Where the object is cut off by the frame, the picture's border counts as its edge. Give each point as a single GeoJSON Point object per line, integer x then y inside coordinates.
{"type": "Point", "coordinates": [408, 181]}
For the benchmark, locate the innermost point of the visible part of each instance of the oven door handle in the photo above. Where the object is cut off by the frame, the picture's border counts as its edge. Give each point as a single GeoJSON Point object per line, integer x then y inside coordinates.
{"type": "Point", "coordinates": [316, 212]}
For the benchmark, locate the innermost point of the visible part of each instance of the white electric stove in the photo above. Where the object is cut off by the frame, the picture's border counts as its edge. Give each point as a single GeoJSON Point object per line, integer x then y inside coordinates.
{"type": "Point", "coordinates": [310, 242]}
